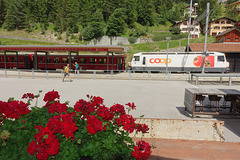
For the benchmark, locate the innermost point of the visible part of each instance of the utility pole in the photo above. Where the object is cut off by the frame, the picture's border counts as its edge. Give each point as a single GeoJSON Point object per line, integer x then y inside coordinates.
{"type": "Point", "coordinates": [189, 26]}
{"type": "Point", "coordinates": [205, 39]}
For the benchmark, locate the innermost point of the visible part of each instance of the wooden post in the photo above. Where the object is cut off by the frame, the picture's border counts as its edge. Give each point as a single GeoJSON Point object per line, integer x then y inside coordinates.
{"type": "Point", "coordinates": [17, 58]}
{"type": "Point", "coordinates": [5, 59]}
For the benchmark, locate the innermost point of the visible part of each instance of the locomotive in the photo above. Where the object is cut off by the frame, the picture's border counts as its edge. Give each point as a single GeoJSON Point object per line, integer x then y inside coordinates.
{"type": "Point", "coordinates": [179, 62]}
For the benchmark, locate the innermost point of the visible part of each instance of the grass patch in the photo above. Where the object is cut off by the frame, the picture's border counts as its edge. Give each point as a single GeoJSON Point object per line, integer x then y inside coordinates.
{"type": "Point", "coordinates": [5, 41]}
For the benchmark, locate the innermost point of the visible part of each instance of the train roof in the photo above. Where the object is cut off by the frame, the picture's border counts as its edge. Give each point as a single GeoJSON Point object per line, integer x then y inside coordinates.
{"type": "Point", "coordinates": [76, 48]}
{"type": "Point", "coordinates": [159, 53]}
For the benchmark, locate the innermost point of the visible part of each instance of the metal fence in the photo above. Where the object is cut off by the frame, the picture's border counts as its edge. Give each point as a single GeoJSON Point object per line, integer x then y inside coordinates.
{"type": "Point", "coordinates": [95, 74]}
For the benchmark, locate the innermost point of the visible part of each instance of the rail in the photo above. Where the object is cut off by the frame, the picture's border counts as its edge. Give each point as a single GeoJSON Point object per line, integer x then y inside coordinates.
{"type": "Point", "coordinates": [95, 74]}
{"type": "Point", "coordinates": [229, 75]}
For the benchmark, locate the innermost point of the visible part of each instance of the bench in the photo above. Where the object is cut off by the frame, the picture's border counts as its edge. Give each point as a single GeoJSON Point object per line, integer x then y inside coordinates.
{"type": "Point", "coordinates": [230, 75]}
{"type": "Point", "coordinates": [190, 100]}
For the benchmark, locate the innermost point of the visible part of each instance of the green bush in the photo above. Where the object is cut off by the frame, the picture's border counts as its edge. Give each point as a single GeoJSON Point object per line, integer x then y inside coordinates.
{"type": "Point", "coordinates": [175, 30]}
{"type": "Point", "coordinates": [162, 37]}
{"type": "Point", "coordinates": [132, 40]}
{"type": "Point", "coordinates": [88, 130]}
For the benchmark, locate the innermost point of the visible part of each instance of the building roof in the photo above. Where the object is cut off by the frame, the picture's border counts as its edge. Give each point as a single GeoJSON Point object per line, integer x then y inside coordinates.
{"type": "Point", "coordinates": [234, 3]}
{"type": "Point", "coordinates": [227, 31]}
{"type": "Point", "coordinates": [223, 18]}
{"type": "Point", "coordinates": [218, 47]}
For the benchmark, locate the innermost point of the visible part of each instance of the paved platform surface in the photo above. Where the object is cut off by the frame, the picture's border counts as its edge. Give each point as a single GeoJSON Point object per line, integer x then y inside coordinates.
{"type": "Point", "coordinates": [154, 99]}
{"type": "Point", "coordinates": [193, 150]}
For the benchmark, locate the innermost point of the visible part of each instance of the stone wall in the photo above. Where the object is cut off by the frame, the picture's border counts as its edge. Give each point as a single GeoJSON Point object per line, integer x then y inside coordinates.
{"type": "Point", "coordinates": [106, 40]}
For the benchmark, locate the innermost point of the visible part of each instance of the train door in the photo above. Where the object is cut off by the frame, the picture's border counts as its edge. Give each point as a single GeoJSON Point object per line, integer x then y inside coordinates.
{"type": "Point", "coordinates": [26, 62]}
{"type": "Point", "coordinates": [144, 63]}
{"type": "Point", "coordinates": [119, 63]}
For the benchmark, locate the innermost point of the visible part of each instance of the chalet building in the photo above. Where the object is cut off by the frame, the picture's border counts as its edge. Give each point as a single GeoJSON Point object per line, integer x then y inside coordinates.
{"type": "Point", "coordinates": [236, 5]}
{"type": "Point", "coordinates": [220, 25]}
{"type": "Point", "coordinates": [229, 36]}
{"type": "Point", "coordinates": [194, 10]}
{"type": "Point", "coordinates": [231, 50]}
{"type": "Point", "coordinates": [183, 25]}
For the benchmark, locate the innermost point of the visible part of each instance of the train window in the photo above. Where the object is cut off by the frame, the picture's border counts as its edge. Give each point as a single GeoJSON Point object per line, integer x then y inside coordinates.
{"type": "Point", "coordinates": [73, 60]}
{"type": "Point", "coordinates": [221, 58]}
{"type": "Point", "coordinates": [56, 60]}
{"type": "Point", "coordinates": [7, 59]}
{"type": "Point", "coordinates": [136, 58]}
{"type": "Point", "coordinates": [93, 60]}
{"type": "Point", "coordinates": [1, 59]}
{"type": "Point", "coordinates": [40, 59]}
{"type": "Point", "coordinates": [48, 60]}
{"type": "Point", "coordinates": [20, 59]}
{"type": "Point", "coordinates": [102, 60]}
{"type": "Point", "coordinates": [64, 60]}
{"type": "Point", "coordinates": [14, 59]}
{"type": "Point", "coordinates": [83, 60]}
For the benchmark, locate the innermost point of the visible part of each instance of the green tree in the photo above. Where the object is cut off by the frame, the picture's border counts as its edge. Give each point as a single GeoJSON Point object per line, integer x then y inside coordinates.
{"type": "Point", "coordinates": [95, 28]}
{"type": "Point", "coordinates": [116, 23]}
{"type": "Point", "coordinates": [146, 12]}
{"type": "Point", "coordinates": [3, 12]}
{"type": "Point", "coordinates": [16, 15]}
{"type": "Point", "coordinates": [131, 12]}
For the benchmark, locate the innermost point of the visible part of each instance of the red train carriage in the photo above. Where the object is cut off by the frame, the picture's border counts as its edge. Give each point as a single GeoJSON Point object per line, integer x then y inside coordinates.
{"type": "Point", "coordinates": [24, 61]}
{"type": "Point", "coordinates": [57, 61]}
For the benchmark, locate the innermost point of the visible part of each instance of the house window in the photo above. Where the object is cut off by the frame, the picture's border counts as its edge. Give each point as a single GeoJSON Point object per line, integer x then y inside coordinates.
{"type": "Point", "coordinates": [236, 39]}
{"type": "Point", "coordinates": [228, 39]}
{"type": "Point", "coordinates": [217, 22]}
{"type": "Point", "coordinates": [223, 22]}
{"type": "Point", "coordinates": [228, 22]}
{"type": "Point", "coordinates": [224, 27]}
{"type": "Point", "coordinates": [184, 23]}
{"type": "Point", "coordinates": [184, 29]}
{"type": "Point", "coordinates": [216, 27]}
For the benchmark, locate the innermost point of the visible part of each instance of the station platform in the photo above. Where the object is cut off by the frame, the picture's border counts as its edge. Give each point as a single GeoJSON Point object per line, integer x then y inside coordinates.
{"type": "Point", "coordinates": [167, 149]}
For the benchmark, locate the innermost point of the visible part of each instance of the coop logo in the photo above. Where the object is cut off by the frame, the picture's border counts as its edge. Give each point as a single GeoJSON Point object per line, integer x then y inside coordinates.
{"type": "Point", "coordinates": [160, 60]}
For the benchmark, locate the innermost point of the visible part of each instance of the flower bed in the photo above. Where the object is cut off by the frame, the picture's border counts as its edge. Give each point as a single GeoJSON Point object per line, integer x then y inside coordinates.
{"type": "Point", "coordinates": [89, 130]}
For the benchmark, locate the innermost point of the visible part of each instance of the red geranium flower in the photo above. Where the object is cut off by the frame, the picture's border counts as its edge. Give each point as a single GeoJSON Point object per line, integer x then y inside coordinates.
{"type": "Point", "coordinates": [28, 96]}
{"type": "Point", "coordinates": [142, 128]}
{"type": "Point", "coordinates": [51, 96]}
{"type": "Point", "coordinates": [84, 108]}
{"type": "Point", "coordinates": [105, 113]}
{"type": "Point", "coordinates": [96, 101]}
{"type": "Point", "coordinates": [131, 105]}
{"type": "Point", "coordinates": [118, 109]}
{"type": "Point", "coordinates": [57, 107]}
{"type": "Point", "coordinates": [94, 125]}
{"type": "Point", "coordinates": [142, 150]}
{"type": "Point", "coordinates": [127, 121]}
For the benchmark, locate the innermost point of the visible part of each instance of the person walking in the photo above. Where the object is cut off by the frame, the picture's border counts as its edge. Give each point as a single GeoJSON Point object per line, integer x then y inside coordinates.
{"type": "Point", "coordinates": [76, 67]}
{"type": "Point", "coordinates": [66, 72]}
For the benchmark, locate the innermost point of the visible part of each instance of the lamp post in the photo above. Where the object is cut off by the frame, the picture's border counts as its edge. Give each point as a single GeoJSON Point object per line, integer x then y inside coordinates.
{"type": "Point", "coordinates": [168, 39]}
